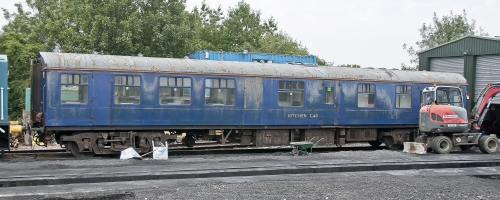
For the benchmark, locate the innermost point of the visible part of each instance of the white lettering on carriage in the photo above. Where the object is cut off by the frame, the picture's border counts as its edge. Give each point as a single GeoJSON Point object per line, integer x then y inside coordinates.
{"type": "Point", "coordinates": [297, 116]}
{"type": "Point", "coordinates": [450, 116]}
{"type": "Point", "coordinates": [303, 115]}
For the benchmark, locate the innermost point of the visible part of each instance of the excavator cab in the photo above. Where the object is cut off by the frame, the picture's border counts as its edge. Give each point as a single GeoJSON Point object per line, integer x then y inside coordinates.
{"type": "Point", "coordinates": [442, 95]}
{"type": "Point", "coordinates": [442, 110]}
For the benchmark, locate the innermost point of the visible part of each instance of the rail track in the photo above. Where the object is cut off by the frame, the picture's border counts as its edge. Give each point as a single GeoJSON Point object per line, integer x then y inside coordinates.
{"type": "Point", "coordinates": [36, 154]}
{"type": "Point", "coordinates": [47, 154]}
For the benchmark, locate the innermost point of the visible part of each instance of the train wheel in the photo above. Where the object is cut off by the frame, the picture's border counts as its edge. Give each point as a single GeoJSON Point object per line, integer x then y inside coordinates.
{"type": "Point", "coordinates": [488, 144]}
{"type": "Point", "coordinates": [189, 140]}
{"type": "Point", "coordinates": [420, 139]}
{"type": "Point", "coordinates": [73, 147]}
{"type": "Point", "coordinates": [375, 143]}
{"type": "Point", "coordinates": [441, 145]}
{"type": "Point", "coordinates": [389, 143]}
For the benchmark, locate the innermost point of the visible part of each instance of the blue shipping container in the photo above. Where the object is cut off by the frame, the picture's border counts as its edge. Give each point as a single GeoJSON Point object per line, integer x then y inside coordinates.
{"type": "Point", "coordinates": [252, 57]}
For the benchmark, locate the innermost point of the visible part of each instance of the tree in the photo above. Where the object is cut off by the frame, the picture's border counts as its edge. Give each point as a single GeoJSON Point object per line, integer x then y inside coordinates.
{"type": "Point", "coordinates": [281, 43]}
{"type": "Point", "coordinates": [353, 66]}
{"type": "Point", "coordinates": [19, 51]}
{"type": "Point", "coordinates": [323, 62]}
{"type": "Point", "coordinates": [243, 29]}
{"type": "Point", "coordinates": [120, 27]}
{"type": "Point", "coordinates": [207, 25]}
{"type": "Point", "coordinates": [440, 31]}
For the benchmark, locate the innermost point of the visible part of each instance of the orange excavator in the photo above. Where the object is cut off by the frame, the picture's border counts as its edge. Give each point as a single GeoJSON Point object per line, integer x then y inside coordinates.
{"type": "Point", "coordinates": [443, 121]}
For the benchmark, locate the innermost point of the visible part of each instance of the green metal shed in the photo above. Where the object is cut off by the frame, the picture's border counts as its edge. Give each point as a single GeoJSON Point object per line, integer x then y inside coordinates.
{"type": "Point", "coordinates": [477, 58]}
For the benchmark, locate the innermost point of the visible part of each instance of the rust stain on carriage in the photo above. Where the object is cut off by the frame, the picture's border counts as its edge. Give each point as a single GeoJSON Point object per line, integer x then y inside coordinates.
{"type": "Point", "coordinates": [77, 60]}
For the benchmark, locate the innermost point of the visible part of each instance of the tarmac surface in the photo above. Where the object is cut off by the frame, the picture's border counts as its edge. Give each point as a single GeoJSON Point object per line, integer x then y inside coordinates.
{"type": "Point", "coordinates": [250, 175]}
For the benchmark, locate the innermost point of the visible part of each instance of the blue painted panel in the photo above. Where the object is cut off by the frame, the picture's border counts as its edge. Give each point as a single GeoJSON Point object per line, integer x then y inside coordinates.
{"type": "Point", "coordinates": [309, 114]}
{"type": "Point", "coordinates": [330, 111]}
{"type": "Point", "coordinates": [101, 97]}
{"type": "Point", "coordinates": [4, 93]}
{"type": "Point", "coordinates": [59, 114]}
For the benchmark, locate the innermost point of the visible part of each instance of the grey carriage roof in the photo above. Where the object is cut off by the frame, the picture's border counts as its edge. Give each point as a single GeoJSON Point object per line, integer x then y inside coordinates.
{"type": "Point", "coordinates": [72, 61]}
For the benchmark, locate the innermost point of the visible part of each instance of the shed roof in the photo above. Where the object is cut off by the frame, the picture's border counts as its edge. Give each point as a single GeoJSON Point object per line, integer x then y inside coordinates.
{"type": "Point", "coordinates": [72, 61]}
{"type": "Point", "coordinates": [494, 39]}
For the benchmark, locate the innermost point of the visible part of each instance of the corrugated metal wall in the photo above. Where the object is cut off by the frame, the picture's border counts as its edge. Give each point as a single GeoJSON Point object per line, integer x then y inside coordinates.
{"type": "Point", "coordinates": [487, 71]}
{"type": "Point", "coordinates": [448, 64]}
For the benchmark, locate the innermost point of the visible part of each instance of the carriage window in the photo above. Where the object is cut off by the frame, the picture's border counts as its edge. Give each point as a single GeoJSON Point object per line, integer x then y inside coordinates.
{"type": "Point", "coordinates": [366, 95]}
{"type": "Point", "coordinates": [219, 91]}
{"type": "Point", "coordinates": [74, 88]}
{"type": "Point", "coordinates": [175, 90]}
{"type": "Point", "coordinates": [127, 90]}
{"type": "Point", "coordinates": [329, 95]}
{"type": "Point", "coordinates": [290, 93]}
{"type": "Point", "coordinates": [403, 96]}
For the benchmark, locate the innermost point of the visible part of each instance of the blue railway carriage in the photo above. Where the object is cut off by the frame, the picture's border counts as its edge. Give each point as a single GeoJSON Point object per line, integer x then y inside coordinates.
{"type": "Point", "coordinates": [103, 104]}
{"type": "Point", "coordinates": [4, 119]}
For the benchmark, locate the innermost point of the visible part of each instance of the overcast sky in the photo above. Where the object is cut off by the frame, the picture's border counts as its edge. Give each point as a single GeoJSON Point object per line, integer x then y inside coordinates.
{"type": "Point", "coordinates": [365, 32]}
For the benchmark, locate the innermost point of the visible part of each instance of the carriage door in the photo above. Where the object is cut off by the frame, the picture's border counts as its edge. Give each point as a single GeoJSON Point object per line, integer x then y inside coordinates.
{"type": "Point", "coordinates": [101, 98]}
{"type": "Point", "coordinates": [331, 102]}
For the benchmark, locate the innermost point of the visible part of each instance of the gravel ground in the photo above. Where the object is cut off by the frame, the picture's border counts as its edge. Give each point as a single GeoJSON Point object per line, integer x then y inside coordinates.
{"type": "Point", "coordinates": [327, 186]}
{"type": "Point", "coordinates": [32, 164]}
{"type": "Point", "coordinates": [410, 184]}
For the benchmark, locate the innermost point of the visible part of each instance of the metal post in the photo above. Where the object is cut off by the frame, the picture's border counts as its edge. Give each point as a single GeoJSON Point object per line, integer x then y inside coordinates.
{"type": "Point", "coordinates": [1, 103]}
{"type": "Point", "coordinates": [27, 124]}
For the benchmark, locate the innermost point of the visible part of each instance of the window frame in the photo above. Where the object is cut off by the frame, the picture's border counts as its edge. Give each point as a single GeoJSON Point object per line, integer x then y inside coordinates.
{"type": "Point", "coordinates": [326, 96]}
{"type": "Point", "coordinates": [366, 90]}
{"type": "Point", "coordinates": [126, 84]}
{"type": "Point", "coordinates": [182, 87]}
{"type": "Point", "coordinates": [227, 86]}
{"type": "Point", "coordinates": [79, 84]}
{"type": "Point", "coordinates": [404, 91]}
{"type": "Point", "coordinates": [291, 86]}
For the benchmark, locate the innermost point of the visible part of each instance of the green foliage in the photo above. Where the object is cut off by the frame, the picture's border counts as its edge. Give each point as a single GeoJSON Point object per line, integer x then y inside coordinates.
{"type": "Point", "coordinates": [281, 43]}
{"type": "Point", "coordinates": [353, 66]}
{"type": "Point", "coordinates": [242, 29]}
{"type": "Point", "coordinates": [19, 52]}
{"type": "Point", "coordinates": [440, 31]}
{"type": "Point", "coordinates": [322, 62]}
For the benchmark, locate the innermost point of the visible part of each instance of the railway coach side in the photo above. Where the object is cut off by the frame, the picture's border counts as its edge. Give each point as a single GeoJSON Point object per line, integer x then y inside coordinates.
{"type": "Point", "coordinates": [103, 104]}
